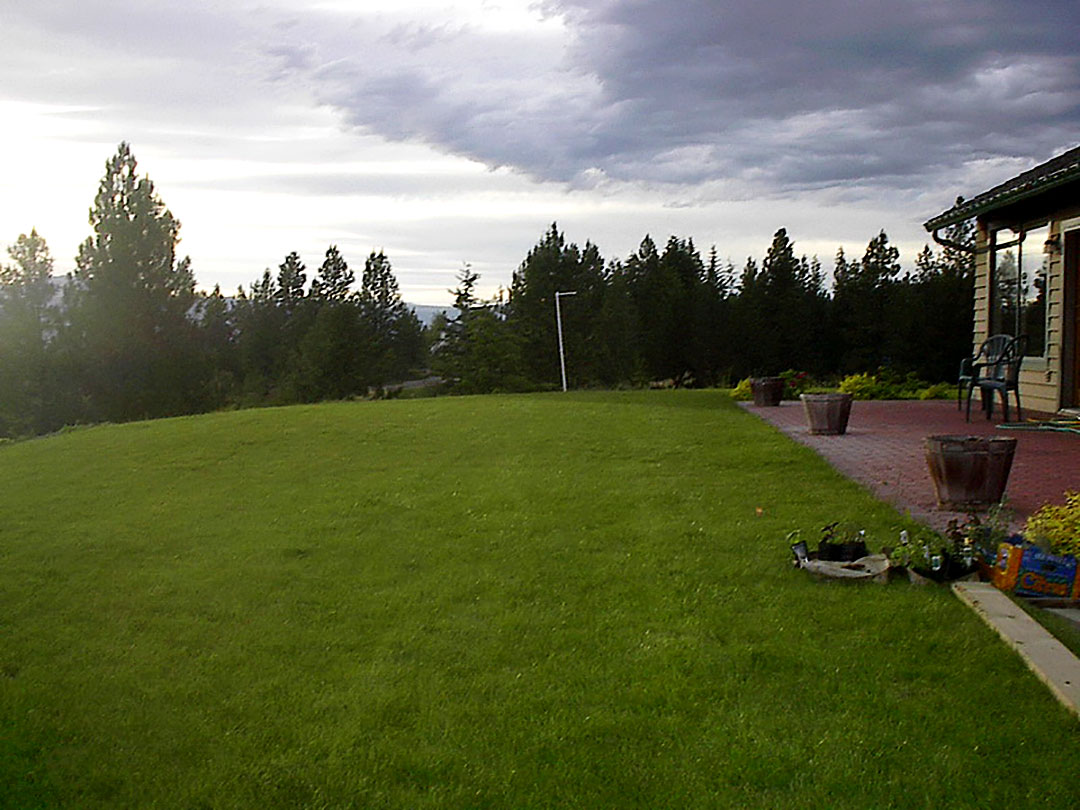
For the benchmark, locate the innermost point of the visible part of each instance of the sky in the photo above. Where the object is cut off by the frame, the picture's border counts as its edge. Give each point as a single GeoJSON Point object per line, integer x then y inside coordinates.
{"type": "Point", "coordinates": [447, 132]}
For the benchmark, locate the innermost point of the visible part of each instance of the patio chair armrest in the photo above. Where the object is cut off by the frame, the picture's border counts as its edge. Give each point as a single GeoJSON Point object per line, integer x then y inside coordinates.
{"type": "Point", "coordinates": [970, 367]}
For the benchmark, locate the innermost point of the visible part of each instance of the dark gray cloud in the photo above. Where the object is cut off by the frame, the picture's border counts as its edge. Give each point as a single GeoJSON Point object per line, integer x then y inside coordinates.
{"type": "Point", "coordinates": [750, 97]}
{"type": "Point", "coordinates": [788, 95]}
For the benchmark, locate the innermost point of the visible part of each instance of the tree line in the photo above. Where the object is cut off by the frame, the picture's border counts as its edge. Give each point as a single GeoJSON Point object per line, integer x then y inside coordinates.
{"type": "Point", "coordinates": [129, 337]}
{"type": "Point", "coordinates": [670, 314]}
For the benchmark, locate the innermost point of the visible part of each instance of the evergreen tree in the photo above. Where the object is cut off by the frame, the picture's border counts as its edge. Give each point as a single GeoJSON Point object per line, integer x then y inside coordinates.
{"type": "Point", "coordinates": [686, 303]}
{"type": "Point", "coordinates": [128, 303]}
{"type": "Point", "coordinates": [618, 345]}
{"type": "Point", "coordinates": [452, 345]}
{"type": "Point", "coordinates": [939, 313]}
{"type": "Point", "coordinates": [718, 335]}
{"type": "Point", "coordinates": [656, 291]}
{"type": "Point", "coordinates": [218, 337]}
{"type": "Point", "coordinates": [477, 351]}
{"type": "Point", "coordinates": [394, 334]}
{"type": "Point", "coordinates": [291, 277]}
{"type": "Point", "coordinates": [864, 318]}
{"type": "Point", "coordinates": [553, 266]}
{"type": "Point", "coordinates": [331, 364]}
{"type": "Point", "coordinates": [25, 322]}
{"type": "Point", "coordinates": [260, 340]}
{"type": "Point", "coordinates": [334, 279]}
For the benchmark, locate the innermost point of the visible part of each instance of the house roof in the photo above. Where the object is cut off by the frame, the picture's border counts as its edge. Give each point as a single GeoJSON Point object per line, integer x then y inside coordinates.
{"type": "Point", "coordinates": [1065, 168]}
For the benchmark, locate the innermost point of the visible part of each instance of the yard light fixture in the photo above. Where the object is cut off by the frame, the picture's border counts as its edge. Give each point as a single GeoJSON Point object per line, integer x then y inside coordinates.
{"type": "Point", "coordinates": [558, 326]}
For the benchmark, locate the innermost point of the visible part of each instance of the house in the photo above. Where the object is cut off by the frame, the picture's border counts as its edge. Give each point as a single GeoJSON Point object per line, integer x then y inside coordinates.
{"type": "Point", "coordinates": [1027, 274]}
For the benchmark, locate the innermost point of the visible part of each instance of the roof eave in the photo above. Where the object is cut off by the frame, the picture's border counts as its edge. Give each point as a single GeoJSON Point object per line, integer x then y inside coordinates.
{"type": "Point", "coordinates": [974, 208]}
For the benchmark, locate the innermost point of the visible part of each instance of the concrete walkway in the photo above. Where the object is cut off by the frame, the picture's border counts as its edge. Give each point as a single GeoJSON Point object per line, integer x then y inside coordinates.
{"type": "Point", "coordinates": [883, 450]}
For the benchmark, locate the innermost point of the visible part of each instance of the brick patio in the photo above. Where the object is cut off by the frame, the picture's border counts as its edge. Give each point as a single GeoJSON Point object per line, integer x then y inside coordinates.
{"type": "Point", "coordinates": [883, 450]}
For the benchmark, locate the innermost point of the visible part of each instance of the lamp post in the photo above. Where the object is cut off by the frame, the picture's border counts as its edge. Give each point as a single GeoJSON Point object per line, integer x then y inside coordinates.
{"type": "Point", "coordinates": [558, 326]}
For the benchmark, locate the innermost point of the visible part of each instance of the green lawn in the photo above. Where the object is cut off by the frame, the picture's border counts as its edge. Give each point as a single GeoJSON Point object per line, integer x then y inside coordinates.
{"type": "Point", "coordinates": [507, 602]}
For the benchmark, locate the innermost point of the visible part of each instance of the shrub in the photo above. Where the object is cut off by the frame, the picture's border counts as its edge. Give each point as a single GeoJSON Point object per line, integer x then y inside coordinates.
{"type": "Point", "coordinates": [1057, 527]}
{"type": "Point", "coordinates": [938, 391]}
{"type": "Point", "coordinates": [860, 386]}
{"type": "Point", "coordinates": [742, 391]}
{"type": "Point", "coordinates": [888, 384]}
{"type": "Point", "coordinates": [795, 383]}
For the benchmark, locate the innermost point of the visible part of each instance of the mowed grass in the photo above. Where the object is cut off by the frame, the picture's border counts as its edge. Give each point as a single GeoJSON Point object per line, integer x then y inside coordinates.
{"type": "Point", "coordinates": [528, 601]}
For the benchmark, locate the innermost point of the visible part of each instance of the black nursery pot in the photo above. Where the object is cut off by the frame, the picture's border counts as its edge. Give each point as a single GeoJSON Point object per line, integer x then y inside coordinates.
{"type": "Point", "coordinates": [830, 552]}
{"type": "Point", "coordinates": [952, 569]}
{"type": "Point", "coordinates": [841, 552]}
{"type": "Point", "coordinates": [852, 551]}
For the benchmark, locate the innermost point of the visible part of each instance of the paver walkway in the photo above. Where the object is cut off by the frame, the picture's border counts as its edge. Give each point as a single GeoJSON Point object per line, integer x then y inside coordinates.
{"type": "Point", "coordinates": [883, 450]}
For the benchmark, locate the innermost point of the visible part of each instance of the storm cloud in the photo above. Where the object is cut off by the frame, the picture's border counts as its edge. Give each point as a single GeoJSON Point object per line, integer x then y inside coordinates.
{"type": "Point", "coordinates": [784, 95]}
{"type": "Point", "coordinates": [283, 124]}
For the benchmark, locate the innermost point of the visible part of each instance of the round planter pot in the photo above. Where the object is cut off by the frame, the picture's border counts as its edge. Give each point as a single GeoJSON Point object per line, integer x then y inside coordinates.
{"type": "Point", "coordinates": [842, 552]}
{"type": "Point", "coordinates": [827, 414]}
{"type": "Point", "coordinates": [830, 552]}
{"type": "Point", "coordinates": [969, 472]}
{"type": "Point", "coordinates": [954, 572]}
{"type": "Point", "coordinates": [849, 552]}
{"type": "Point", "coordinates": [767, 390]}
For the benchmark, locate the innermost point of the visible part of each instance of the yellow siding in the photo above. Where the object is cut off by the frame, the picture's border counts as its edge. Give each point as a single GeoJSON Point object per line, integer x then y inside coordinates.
{"type": "Point", "coordinates": [1036, 394]}
{"type": "Point", "coordinates": [982, 289]}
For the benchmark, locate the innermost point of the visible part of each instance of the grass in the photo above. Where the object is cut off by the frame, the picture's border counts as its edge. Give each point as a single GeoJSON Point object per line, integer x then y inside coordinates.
{"type": "Point", "coordinates": [526, 601]}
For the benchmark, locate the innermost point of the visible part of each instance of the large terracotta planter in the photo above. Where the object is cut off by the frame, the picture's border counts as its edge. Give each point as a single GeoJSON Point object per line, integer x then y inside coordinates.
{"type": "Point", "coordinates": [969, 472]}
{"type": "Point", "coordinates": [827, 414]}
{"type": "Point", "coordinates": [767, 390]}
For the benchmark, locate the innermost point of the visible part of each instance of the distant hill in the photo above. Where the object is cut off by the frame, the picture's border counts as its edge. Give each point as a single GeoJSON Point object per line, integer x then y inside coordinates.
{"type": "Point", "coordinates": [426, 312]}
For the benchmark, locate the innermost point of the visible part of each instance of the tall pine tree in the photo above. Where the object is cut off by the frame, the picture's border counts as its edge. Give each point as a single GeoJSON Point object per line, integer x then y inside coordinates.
{"type": "Point", "coordinates": [128, 303]}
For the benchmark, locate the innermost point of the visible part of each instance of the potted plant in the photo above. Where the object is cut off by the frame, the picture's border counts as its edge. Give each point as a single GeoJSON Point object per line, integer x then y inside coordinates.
{"type": "Point", "coordinates": [842, 542]}
{"type": "Point", "coordinates": [767, 390]}
{"type": "Point", "coordinates": [1057, 527]}
{"type": "Point", "coordinates": [931, 557]}
{"type": "Point", "coordinates": [827, 414]}
{"type": "Point", "coordinates": [984, 534]}
{"type": "Point", "coordinates": [969, 472]}
{"type": "Point", "coordinates": [1048, 560]}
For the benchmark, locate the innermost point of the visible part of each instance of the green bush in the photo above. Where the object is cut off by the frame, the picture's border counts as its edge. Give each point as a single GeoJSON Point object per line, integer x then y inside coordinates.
{"type": "Point", "coordinates": [795, 383]}
{"type": "Point", "coordinates": [888, 384]}
{"type": "Point", "coordinates": [938, 391]}
{"type": "Point", "coordinates": [1057, 527]}
{"type": "Point", "coordinates": [860, 386]}
{"type": "Point", "coordinates": [742, 392]}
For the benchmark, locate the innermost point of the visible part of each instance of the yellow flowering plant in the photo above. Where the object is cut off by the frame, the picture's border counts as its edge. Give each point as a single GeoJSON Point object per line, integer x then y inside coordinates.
{"type": "Point", "coordinates": [1057, 526]}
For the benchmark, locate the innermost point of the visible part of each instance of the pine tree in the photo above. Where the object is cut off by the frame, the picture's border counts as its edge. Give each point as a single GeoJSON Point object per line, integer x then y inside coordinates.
{"type": "Point", "coordinates": [395, 335]}
{"type": "Point", "coordinates": [554, 265]}
{"type": "Point", "coordinates": [291, 277]}
{"type": "Point", "coordinates": [864, 314]}
{"type": "Point", "coordinates": [25, 323]}
{"type": "Point", "coordinates": [334, 279]}
{"type": "Point", "coordinates": [128, 302]}
{"type": "Point", "coordinates": [476, 351]}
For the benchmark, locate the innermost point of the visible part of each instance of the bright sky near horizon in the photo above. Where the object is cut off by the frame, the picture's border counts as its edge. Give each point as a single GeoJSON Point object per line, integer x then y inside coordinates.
{"type": "Point", "coordinates": [445, 131]}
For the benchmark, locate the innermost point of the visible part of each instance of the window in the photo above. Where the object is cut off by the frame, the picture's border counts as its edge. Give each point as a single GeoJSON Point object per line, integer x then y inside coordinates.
{"type": "Point", "coordinates": [1018, 288]}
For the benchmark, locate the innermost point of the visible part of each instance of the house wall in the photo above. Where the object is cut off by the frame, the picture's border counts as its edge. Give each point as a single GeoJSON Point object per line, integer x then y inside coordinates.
{"type": "Point", "coordinates": [1040, 377]}
{"type": "Point", "coordinates": [982, 286]}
